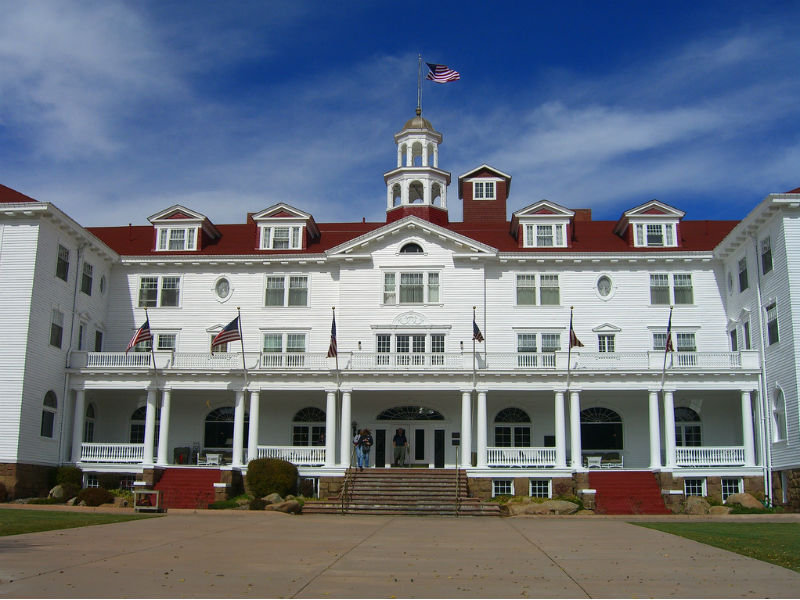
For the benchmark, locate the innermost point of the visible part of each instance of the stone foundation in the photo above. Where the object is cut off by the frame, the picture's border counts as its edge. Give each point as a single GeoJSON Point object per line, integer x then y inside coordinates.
{"type": "Point", "coordinates": [329, 487]}
{"type": "Point", "coordinates": [792, 489]}
{"type": "Point", "coordinates": [27, 481]}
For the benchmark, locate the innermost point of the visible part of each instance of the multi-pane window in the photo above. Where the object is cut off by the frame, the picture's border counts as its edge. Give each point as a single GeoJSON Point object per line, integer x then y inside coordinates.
{"type": "Point", "coordinates": [772, 324]}
{"type": "Point", "coordinates": [308, 428]}
{"type": "Point", "coordinates": [766, 255]}
{"type": "Point", "coordinates": [49, 408]}
{"type": "Point", "coordinates": [159, 291]}
{"type": "Point", "coordinates": [410, 348]}
{"type": "Point", "coordinates": [746, 334]}
{"type": "Point", "coordinates": [287, 290]}
{"type": "Point", "coordinates": [660, 291]}
{"type": "Point", "coordinates": [778, 416]}
{"type": "Point", "coordinates": [389, 291]}
{"type": "Point", "coordinates": [549, 290]}
{"type": "Point", "coordinates": [540, 488]}
{"type": "Point", "coordinates": [437, 349]}
{"type": "Point", "coordinates": [177, 238]}
{"type": "Point", "coordinates": [483, 190]}
{"type": "Point", "coordinates": [527, 347]}
{"type": "Point", "coordinates": [56, 328]}
{"type": "Point", "coordinates": [383, 346]}
{"type": "Point", "coordinates": [81, 335]}
{"type": "Point", "coordinates": [411, 287]}
{"type": "Point", "coordinates": [655, 235]}
{"type": "Point", "coordinates": [688, 428]}
{"type": "Point", "coordinates": [512, 429]}
{"type": "Point", "coordinates": [605, 342]}
{"type": "Point", "coordinates": [276, 344]}
{"type": "Point", "coordinates": [166, 342]}
{"type": "Point", "coordinates": [544, 236]}
{"type": "Point", "coordinates": [433, 287]}
{"type": "Point", "coordinates": [526, 289]}
{"type": "Point", "coordinates": [730, 487]}
{"type": "Point", "coordinates": [86, 279]}
{"type": "Point", "coordinates": [88, 424]}
{"type": "Point", "coordinates": [659, 288]}
{"type": "Point", "coordinates": [734, 340]}
{"type": "Point", "coordinates": [62, 263]}
{"type": "Point", "coordinates": [281, 238]}
{"type": "Point", "coordinates": [683, 288]}
{"type": "Point", "coordinates": [98, 341]}
{"type": "Point", "coordinates": [502, 487]}
{"type": "Point", "coordinates": [743, 283]}
{"type": "Point", "coordinates": [686, 347]}
{"type": "Point", "coordinates": [694, 487]}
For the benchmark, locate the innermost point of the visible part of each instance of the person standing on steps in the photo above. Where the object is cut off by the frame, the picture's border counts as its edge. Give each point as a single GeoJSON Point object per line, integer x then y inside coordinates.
{"type": "Point", "coordinates": [363, 442]}
{"type": "Point", "coordinates": [400, 445]}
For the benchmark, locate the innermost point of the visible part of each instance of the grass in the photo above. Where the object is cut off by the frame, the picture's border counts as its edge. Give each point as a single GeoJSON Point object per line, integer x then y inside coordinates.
{"type": "Point", "coordinates": [776, 543]}
{"type": "Point", "coordinates": [17, 521]}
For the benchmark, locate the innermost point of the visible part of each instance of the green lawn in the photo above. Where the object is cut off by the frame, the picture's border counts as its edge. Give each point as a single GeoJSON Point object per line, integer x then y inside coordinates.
{"type": "Point", "coordinates": [776, 543]}
{"type": "Point", "coordinates": [16, 521]}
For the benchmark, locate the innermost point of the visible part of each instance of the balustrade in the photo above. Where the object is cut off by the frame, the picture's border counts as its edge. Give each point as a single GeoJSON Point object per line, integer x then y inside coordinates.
{"type": "Point", "coordinates": [520, 457]}
{"type": "Point", "coordinates": [307, 456]}
{"type": "Point", "coordinates": [707, 456]}
{"type": "Point", "coordinates": [112, 453]}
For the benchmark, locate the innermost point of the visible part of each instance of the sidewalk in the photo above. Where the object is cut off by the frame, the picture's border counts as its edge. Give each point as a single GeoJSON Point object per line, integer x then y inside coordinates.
{"type": "Point", "coordinates": [261, 554]}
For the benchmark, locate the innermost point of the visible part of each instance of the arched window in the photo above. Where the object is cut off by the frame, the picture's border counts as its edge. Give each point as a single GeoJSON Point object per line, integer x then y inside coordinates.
{"type": "Point", "coordinates": [512, 428]}
{"type": "Point", "coordinates": [397, 195]}
{"type": "Point", "coordinates": [436, 194]}
{"type": "Point", "coordinates": [416, 193]}
{"type": "Point", "coordinates": [410, 413]}
{"type": "Point", "coordinates": [778, 416]}
{"type": "Point", "coordinates": [49, 408]}
{"type": "Point", "coordinates": [88, 424]}
{"type": "Point", "coordinates": [416, 154]}
{"type": "Point", "coordinates": [219, 428]}
{"type": "Point", "coordinates": [411, 248]}
{"type": "Point", "coordinates": [601, 429]}
{"type": "Point", "coordinates": [688, 429]}
{"type": "Point", "coordinates": [137, 425]}
{"type": "Point", "coordinates": [308, 427]}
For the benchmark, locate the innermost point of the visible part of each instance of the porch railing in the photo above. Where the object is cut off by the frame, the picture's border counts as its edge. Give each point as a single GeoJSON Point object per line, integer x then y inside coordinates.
{"type": "Point", "coordinates": [307, 456]}
{"type": "Point", "coordinates": [118, 360]}
{"type": "Point", "coordinates": [408, 361]}
{"type": "Point", "coordinates": [112, 453]}
{"type": "Point", "coordinates": [707, 456]}
{"type": "Point", "coordinates": [520, 457]}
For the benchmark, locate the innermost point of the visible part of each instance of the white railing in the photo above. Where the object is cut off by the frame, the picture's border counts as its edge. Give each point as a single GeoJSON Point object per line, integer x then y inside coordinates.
{"type": "Point", "coordinates": [409, 361]}
{"type": "Point", "coordinates": [112, 453]}
{"type": "Point", "coordinates": [512, 361]}
{"type": "Point", "coordinates": [707, 456]}
{"type": "Point", "coordinates": [207, 360]}
{"type": "Point", "coordinates": [310, 456]}
{"type": "Point", "coordinates": [295, 360]}
{"type": "Point", "coordinates": [118, 360]}
{"type": "Point", "coordinates": [520, 457]}
{"type": "Point", "coordinates": [610, 361]}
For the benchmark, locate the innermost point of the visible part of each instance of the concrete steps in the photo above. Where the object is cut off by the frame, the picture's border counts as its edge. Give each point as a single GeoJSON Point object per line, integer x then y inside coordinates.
{"type": "Point", "coordinates": [405, 492]}
{"type": "Point", "coordinates": [187, 487]}
{"type": "Point", "coordinates": [627, 493]}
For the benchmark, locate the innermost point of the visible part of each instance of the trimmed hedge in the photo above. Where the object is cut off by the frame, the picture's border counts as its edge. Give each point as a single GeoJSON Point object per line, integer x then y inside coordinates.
{"type": "Point", "coordinates": [95, 496]}
{"type": "Point", "coordinates": [268, 475]}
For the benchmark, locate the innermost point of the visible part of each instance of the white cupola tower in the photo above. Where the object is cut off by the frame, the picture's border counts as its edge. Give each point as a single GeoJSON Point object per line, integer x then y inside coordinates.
{"type": "Point", "coordinates": [417, 186]}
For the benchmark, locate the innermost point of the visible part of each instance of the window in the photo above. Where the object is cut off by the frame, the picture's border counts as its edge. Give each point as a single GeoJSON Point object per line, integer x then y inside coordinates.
{"type": "Point", "coordinates": [683, 288]}
{"type": "Point", "coordinates": [308, 427]}
{"type": "Point", "coordinates": [49, 408]}
{"type": "Point", "coordinates": [686, 347]}
{"type": "Point", "coordinates": [284, 349]}
{"type": "Point", "coordinates": [223, 347]}
{"type": "Point", "coordinates": [550, 235]}
{"type": "Point", "coordinates": [659, 288]}
{"type": "Point", "coordinates": [526, 290]}
{"type": "Point", "coordinates": [138, 425]}
{"type": "Point", "coordinates": [550, 294]}
{"type": "Point", "coordinates": [92, 481]}
{"type": "Point", "coordinates": [688, 429]}
{"type": "Point", "coordinates": [549, 291]}
{"type": "Point", "coordinates": [159, 291]}
{"type": "Point", "coordinates": [383, 347]}
{"type": "Point", "coordinates": [526, 349]}
{"type": "Point", "coordinates": [694, 487]}
{"type": "Point", "coordinates": [483, 190]}
{"type": "Point", "coordinates": [98, 341]}
{"type": "Point", "coordinates": [56, 328]}
{"type": "Point", "coordinates": [540, 488]}
{"type": "Point", "coordinates": [743, 284]}
{"type": "Point", "coordinates": [219, 428]}
{"type": "Point", "coordinates": [411, 248]}
{"type": "Point", "coordinates": [177, 238]}
{"type": "Point", "coordinates": [730, 487]}
{"type": "Point", "coordinates": [512, 429]}
{"type": "Point", "coordinates": [410, 349]}
{"type": "Point", "coordinates": [287, 290]}
{"type": "Point", "coordinates": [437, 349]}
{"type": "Point", "coordinates": [605, 342]}
{"type": "Point", "coordinates": [86, 279]}
{"type": "Point", "coordinates": [654, 235]}
{"type": "Point", "coordinates": [81, 335]}
{"type": "Point", "coordinates": [746, 334]}
{"type": "Point", "coordinates": [734, 340]}
{"type": "Point", "coordinates": [281, 238]}
{"type": "Point", "coordinates": [62, 263]}
{"type": "Point", "coordinates": [502, 487]}
{"type": "Point", "coordinates": [778, 416]}
{"type": "Point", "coordinates": [166, 342]}
{"type": "Point", "coordinates": [411, 288]}
{"type": "Point", "coordinates": [766, 255]}
{"type": "Point", "coordinates": [88, 425]}
{"type": "Point", "coordinates": [601, 429]}
{"type": "Point", "coordinates": [772, 324]}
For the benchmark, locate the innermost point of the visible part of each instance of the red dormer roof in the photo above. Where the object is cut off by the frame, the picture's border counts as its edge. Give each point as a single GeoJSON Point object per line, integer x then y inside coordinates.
{"type": "Point", "coordinates": [794, 191]}
{"type": "Point", "coordinates": [10, 196]}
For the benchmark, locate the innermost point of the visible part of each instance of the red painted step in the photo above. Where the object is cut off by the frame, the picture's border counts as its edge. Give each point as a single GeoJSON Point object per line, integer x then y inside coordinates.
{"type": "Point", "coordinates": [187, 487]}
{"type": "Point", "coordinates": [627, 493]}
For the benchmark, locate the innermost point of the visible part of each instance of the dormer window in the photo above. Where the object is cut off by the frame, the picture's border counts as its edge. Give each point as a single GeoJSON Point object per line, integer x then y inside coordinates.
{"type": "Point", "coordinates": [550, 235]}
{"type": "Point", "coordinates": [655, 235]}
{"type": "Point", "coordinates": [281, 238]}
{"type": "Point", "coordinates": [177, 238]}
{"type": "Point", "coordinates": [483, 190]}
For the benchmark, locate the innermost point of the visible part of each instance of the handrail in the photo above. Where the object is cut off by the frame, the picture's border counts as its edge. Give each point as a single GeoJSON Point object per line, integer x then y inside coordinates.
{"type": "Point", "coordinates": [347, 491]}
{"type": "Point", "coordinates": [458, 482]}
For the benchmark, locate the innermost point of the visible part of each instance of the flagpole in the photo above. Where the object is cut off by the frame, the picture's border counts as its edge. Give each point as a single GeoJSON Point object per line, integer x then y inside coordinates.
{"type": "Point", "coordinates": [666, 349]}
{"type": "Point", "coordinates": [152, 342]}
{"type": "Point", "coordinates": [569, 346]}
{"type": "Point", "coordinates": [419, 85]}
{"type": "Point", "coordinates": [241, 339]}
{"type": "Point", "coordinates": [474, 368]}
{"type": "Point", "coordinates": [336, 357]}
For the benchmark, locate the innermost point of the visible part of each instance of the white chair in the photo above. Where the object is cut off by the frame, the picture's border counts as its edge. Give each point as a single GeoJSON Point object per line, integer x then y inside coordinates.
{"type": "Point", "coordinates": [594, 461]}
{"type": "Point", "coordinates": [213, 459]}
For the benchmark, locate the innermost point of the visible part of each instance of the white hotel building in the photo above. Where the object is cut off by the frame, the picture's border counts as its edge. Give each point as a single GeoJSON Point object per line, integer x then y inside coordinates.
{"type": "Point", "coordinates": [721, 417]}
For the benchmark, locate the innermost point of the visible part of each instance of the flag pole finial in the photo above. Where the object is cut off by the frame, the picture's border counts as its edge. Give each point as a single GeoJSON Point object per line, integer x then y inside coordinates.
{"type": "Point", "coordinates": [419, 85]}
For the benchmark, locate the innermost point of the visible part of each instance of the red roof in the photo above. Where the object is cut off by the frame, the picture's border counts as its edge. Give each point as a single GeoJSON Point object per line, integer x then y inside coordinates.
{"type": "Point", "coordinates": [12, 196]}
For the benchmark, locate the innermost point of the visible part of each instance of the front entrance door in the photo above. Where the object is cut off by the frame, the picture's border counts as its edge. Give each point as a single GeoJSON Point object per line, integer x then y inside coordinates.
{"type": "Point", "coordinates": [380, 448]}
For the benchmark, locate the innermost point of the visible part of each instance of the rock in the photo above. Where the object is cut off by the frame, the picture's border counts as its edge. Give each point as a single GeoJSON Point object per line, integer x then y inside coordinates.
{"type": "Point", "coordinates": [82, 503]}
{"type": "Point", "coordinates": [512, 509]}
{"type": "Point", "coordinates": [120, 502]}
{"type": "Point", "coordinates": [71, 501]}
{"type": "Point", "coordinates": [273, 498]}
{"type": "Point", "coordinates": [745, 500]}
{"type": "Point", "coordinates": [57, 492]}
{"type": "Point", "coordinates": [289, 506]}
{"type": "Point", "coordinates": [695, 505]}
{"type": "Point", "coordinates": [549, 507]}
{"type": "Point", "coordinates": [290, 497]}
{"type": "Point", "coordinates": [720, 510]}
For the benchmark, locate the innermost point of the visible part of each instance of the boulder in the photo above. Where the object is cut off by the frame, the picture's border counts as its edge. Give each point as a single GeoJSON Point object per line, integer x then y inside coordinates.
{"type": "Point", "coordinates": [57, 492]}
{"type": "Point", "coordinates": [695, 505]}
{"type": "Point", "coordinates": [120, 502]}
{"type": "Point", "coordinates": [549, 507]}
{"type": "Point", "coordinates": [289, 506]}
{"type": "Point", "coordinates": [745, 500]}
{"type": "Point", "coordinates": [273, 498]}
{"type": "Point", "coordinates": [720, 510]}
{"type": "Point", "coordinates": [290, 497]}
{"type": "Point", "coordinates": [72, 501]}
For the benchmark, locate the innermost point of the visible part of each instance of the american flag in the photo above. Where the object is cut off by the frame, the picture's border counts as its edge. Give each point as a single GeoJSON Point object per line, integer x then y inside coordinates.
{"type": "Point", "coordinates": [230, 333]}
{"type": "Point", "coordinates": [441, 73]}
{"type": "Point", "coordinates": [333, 350]}
{"type": "Point", "coordinates": [476, 332]}
{"type": "Point", "coordinates": [573, 339]}
{"type": "Point", "coordinates": [668, 347]}
{"type": "Point", "coordinates": [142, 335]}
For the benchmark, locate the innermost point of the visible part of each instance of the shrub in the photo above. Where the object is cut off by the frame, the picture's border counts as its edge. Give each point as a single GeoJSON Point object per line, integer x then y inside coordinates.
{"type": "Point", "coordinates": [70, 491]}
{"type": "Point", "coordinates": [713, 501]}
{"type": "Point", "coordinates": [126, 494]}
{"type": "Point", "coordinates": [268, 475]}
{"type": "Point", "coordinates": [71, 475]}
{"type": "Point", "coordinates": [223, 504]}
{"type": "Point", "coordinates": [3, 492]}
{"type": "Point", "coordinates": [45, 501]}
{"type": "Point", "coordinates": [257, 504]}
{"type": "Point", "coordinates": [95, 496]}
{"type": "Point", "coordinates": [307, 488]}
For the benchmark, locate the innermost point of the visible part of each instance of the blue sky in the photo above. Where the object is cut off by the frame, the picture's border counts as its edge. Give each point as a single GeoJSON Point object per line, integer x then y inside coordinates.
{"type": "Point", "coordinates": [116, 110]}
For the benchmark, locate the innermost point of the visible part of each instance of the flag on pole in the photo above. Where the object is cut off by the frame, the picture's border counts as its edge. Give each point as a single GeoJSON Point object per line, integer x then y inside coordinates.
{"type": "Point", "coordinates": [333, 349]}
{"type": "Point", "coordinates": [441, 73]}
{"type": "Point", "coordinates": [476, 332]}
{"type": "Point", "coordinates": [573, 339]}
{"type": "Point", "coordinates": [230, 333]}
{"type": "Point", "coordinates": [142, 335]}
{"type": "Point", "coordinates": [668, 347]}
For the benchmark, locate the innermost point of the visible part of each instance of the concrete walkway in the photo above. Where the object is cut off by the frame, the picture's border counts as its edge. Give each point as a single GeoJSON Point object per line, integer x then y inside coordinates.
{"type": "Point", "coordinates": [261, 554]}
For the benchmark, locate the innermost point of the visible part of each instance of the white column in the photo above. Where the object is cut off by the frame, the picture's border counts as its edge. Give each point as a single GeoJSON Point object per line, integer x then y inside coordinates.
{"type": "Point", "coordinates": [655, 431]}
{"type": "Point", "coordinates": [560, 431]}
{"type": "Point", "coordinates": [481, 429]}
{"type": "Point", "coordinates": [346, 443]}
{"type": "Point", "coordinates": [575, 428]}
{"type": "Point", "coordinates": [747, 430]}
{"type": "Point", "coordinates": [77, 424]}
{"type": "Point", "coordinates": [466, 428]}
{"type": "Point", "coordinates": [238, 428]}
{"type": "Point", "coordinates": [669, 428]}
{"type": "Point", "coordinates": [149, 427]}
{"type": "Point", "coordinates": [330, 428]}
{"type": "Point", "coordinates": [252, 428]}
{"type": "Point", "coordinates": [163, 428]}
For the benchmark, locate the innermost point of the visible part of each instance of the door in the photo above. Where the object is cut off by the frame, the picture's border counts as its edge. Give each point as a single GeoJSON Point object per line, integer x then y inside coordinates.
{"type": "Point", "coordinates": [438, 449]}
{"type": "Point", "coordinates": [380, 448]}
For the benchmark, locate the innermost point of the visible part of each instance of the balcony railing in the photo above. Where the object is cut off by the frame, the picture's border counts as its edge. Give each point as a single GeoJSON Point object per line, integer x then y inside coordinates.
{"type": "Point", "coordinates": [302, 456]}
{"type": "Point", "coordinates": [407, 361]}
{"type": "Point", "coordinates": [117, 360]}
{"type": "Point", "coordinates": [112, 453]}
{"type": "Point", "coordinates": [520, 457]}
{"type": "Point", "coordinates": [707, 456]}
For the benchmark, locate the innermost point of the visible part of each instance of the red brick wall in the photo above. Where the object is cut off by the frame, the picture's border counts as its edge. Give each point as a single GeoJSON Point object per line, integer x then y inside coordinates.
{"type": "Point", "coordinates": [433, 214]}
{"type": "Point", "coordinates": [485, 211]}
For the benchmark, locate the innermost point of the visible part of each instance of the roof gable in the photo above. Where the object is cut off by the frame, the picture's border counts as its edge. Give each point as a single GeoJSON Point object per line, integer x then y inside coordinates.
{"type": "Point", "coordinates": [649, 211]}
{"type": "Point", "coordinates": [284, 213]}
{"type": "Point", "coordinates": [12, 196]}
{"type": "Point", "coordinates": [483, 171]}
{"type": "Point", "coordinates": [177, 213]}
